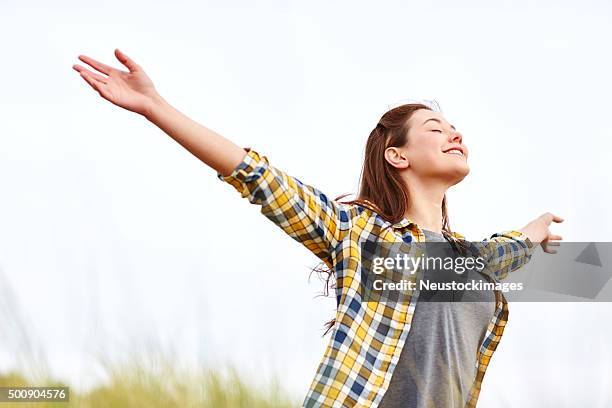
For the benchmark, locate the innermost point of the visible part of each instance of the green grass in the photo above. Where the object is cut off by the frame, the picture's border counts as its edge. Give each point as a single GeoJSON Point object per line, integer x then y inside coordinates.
{"type": "Point", "coordinates": [160, 383]}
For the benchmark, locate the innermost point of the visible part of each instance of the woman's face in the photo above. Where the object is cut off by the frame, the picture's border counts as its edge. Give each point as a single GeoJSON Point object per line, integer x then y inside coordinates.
{"type": "Point", "coordinates": [435, 149]}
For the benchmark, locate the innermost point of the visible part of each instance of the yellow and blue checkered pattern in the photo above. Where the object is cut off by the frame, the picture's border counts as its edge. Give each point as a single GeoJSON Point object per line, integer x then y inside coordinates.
{"type": "Point", "coordinates": [368, 337]}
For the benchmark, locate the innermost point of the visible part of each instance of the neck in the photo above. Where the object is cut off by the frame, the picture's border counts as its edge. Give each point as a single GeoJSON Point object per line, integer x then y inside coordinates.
{"type": "Point", "coordinates": [425, 206]}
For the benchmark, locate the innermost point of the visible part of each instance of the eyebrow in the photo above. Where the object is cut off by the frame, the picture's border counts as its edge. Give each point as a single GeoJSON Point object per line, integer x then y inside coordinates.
{"type": "Point", "coordinates": [439, 121]}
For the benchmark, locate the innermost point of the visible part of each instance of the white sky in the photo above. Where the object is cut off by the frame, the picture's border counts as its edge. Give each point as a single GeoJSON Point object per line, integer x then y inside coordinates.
{"type": "Point", "coordinates": [115, 238]}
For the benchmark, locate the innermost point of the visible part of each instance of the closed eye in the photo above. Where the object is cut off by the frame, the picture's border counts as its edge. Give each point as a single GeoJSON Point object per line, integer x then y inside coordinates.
{"type": "Point", "coordinates": [436, 130]}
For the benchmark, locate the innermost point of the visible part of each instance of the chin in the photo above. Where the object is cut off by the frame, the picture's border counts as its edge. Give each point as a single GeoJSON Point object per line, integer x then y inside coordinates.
{"type": "Point", "coordinates": [458, 174]}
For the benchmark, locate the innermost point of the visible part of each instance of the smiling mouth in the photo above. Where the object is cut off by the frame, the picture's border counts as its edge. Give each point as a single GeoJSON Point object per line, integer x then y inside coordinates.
{"type": "Point", "coordinates": [455, 152]}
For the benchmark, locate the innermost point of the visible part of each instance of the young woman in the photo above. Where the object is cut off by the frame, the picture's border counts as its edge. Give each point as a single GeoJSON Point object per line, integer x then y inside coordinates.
{"type": "Point", "coordinates": [412, 157]}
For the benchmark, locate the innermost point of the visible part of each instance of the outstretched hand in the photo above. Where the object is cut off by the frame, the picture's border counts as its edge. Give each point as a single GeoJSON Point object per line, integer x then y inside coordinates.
{"type": "Point", "coordinates": [538, 232]}
{"type": "Point", "coordinates": [132, 90]}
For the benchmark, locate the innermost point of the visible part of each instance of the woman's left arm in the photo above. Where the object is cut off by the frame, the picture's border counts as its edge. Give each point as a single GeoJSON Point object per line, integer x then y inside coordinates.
{"type": "Point", "coordinates": [507, 251]}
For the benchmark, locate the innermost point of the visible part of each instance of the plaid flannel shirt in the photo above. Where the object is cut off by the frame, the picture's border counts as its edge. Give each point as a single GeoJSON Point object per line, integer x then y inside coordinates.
{"type": "Point", "coordinates": [367, 338]}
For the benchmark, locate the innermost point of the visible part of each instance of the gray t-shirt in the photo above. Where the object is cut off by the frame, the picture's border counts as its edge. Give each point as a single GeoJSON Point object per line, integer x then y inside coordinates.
{"type": "Point", "coordinates": [437, 363]}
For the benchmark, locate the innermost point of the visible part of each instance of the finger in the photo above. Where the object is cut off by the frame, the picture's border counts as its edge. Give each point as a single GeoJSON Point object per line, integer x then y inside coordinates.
{"type": "Point", "coordinates": [546, 249]}
{"type": "Point", "coordinates": [92, 82]}
{"type": "Point", "coordinates": [95, 76]}
{"type": "Point", "coordinates": [553, 244]}
{"type": "Point", "coordinates": [556, 218]}
{"type": "Point", "coordinates": [105, 69]}
{"type": "Point", "coordinates": [555, 237]}
{"type": "Point", "coordinates": [127, 61]}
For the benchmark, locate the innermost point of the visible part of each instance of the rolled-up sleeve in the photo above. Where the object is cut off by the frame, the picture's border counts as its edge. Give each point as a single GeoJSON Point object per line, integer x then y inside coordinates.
{"type": "Point", "coordinates": [302, 211]}
{"type": "Point", "coordinates": [505, 252]}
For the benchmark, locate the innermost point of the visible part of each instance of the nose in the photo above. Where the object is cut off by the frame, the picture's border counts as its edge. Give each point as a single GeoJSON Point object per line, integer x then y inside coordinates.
{"type": "Point", "coordinates": [456, 137]}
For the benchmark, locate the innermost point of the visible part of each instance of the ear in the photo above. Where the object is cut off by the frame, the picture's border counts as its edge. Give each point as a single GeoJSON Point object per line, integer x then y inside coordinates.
{"type": "Point", "coordinates": [396, 157]}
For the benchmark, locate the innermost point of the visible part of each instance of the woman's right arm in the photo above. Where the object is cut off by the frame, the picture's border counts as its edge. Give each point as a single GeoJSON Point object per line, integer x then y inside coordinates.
{"type": "Point", "coordinates": [302, 211]}
{"type": "Point", "coordinates": [134, 91]}
{"type": "Point", "coordinates": [216, 151]}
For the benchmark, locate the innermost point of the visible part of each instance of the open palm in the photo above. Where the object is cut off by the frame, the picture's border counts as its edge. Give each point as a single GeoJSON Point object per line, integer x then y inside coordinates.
{"type": "Point", "coordinates": [132, 90]}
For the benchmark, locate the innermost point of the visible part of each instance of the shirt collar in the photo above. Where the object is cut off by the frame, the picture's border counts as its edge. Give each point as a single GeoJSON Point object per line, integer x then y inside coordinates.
{"type": "Point", "coordinates": [404, 222]}
{"type": "Point", "coordinates": [407, 222]}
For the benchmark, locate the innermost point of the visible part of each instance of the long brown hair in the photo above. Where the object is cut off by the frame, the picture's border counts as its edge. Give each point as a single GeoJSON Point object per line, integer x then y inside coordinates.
{"type": "Point", "coordinates": [381, 188]}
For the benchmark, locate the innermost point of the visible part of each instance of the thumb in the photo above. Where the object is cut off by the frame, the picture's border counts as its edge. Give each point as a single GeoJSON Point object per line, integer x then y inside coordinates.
{"type": "Point", "coordinates": [127, 61]}
{"type": "Point", "coordinates": [556, 218]}
{"type": "Point", "coordinates": [550, 217]}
